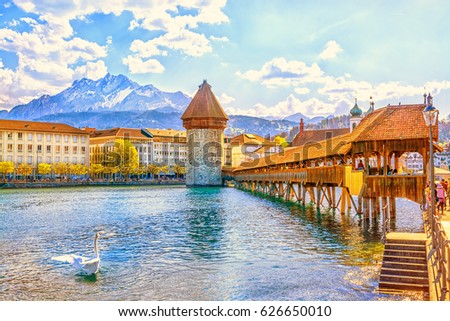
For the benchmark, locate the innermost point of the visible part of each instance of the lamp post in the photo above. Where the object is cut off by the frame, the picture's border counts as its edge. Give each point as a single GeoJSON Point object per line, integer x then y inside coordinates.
{"type": "Point", "coordinates": [430, 114]}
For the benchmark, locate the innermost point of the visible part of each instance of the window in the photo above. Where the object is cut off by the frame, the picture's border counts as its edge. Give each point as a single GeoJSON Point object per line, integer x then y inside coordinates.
{"type": "Point", "coordinates": [10, 148]}
{"type": "Point", "coordinates": [19, 148]}
{"type": "Point", "coordinates": [30, 148]}
{"type": "Point", "coordinates": [48, 160]}
{"type": "Point", "coordinates": [39, 159]}
{"type": "Point", "coordinates": [39, 137]}
{"type": "Point", "coordinates": [57, 159]}
{"type": "Point", "coordinates": [30, 160]}
{"type": "Point", "coordinates": [66, 159]}
{"type": "Point", "coordinates": [19, 136]}
{"type": "Point", "coordinates": [66, 138]}
{"type": "Point", "coordinates": [83, 139]}
{"type": "Point", "coordinates": [9, 158]}
{"type": "Point", "coordinates": [49, 137]}
{"type": "Point", "coordinates": [49, 148]}
{"type": "Point", "coordinates": [58, 138]}
{"type": "Point", "coordinates": [83, 160]}
{"type": "Point", "coordinates": [58, 149]}
{"type": "Point", "coordinates": [74, 160]}
{"type": "Point", "coordinates": [75, 149]}
{"type": "Point", "coordinates": [19, 160]}
{"type": "Point", "coordinates": [83, 149]}
{"type": "Point", "coordinates": [66, 149]}
{"type": "Point", "coordinates": [39, 148]}
{"type": "Point", "coordinates": [9, 136]}
{"type": "Point", "coordinates": [30, 136]}
{"type": "Point", "coordinates": [75, 139]}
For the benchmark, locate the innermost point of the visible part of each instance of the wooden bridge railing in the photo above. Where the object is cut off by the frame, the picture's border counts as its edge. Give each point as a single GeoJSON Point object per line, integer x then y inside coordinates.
{"type": "Point", "coordinates": [407, 186]}
{"type": "Point", "coordinates": [324, 175]}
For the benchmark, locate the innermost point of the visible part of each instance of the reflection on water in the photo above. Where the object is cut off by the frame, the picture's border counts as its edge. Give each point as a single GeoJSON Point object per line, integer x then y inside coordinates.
{"type": "Point", "coordinates": [169, 243]}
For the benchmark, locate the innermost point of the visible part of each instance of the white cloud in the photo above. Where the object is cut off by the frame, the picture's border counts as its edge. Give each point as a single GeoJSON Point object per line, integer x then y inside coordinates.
{"type": "Point", "coordinates": [302, 90]}
{"type": "Point", "coordinates": [332, 48]}
{"type": "Point", "coordinates": [138, 66]}
{"type": "Point", "coordinates": [91, 70]}
{"type": "Point", "coordinates": [280, 72]}
{"type": "Point", "coordinates": [225, 99]}
{"type": "Point", "coordinates": [292, 105]}
{"type": "Point", "coordinates": [51, 55]}
{"type": "Point", "coordinates": [220, 39]}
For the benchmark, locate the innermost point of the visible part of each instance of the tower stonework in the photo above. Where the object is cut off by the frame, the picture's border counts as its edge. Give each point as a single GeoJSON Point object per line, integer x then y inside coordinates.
{"type": "Point", "coordinates": [205, 121]}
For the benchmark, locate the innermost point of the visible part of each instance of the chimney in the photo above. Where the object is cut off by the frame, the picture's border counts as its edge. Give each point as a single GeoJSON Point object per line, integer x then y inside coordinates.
{"type": "Point", "coordinates": [302, 126]}
{"type": "Point", "coordinates": [425, 99]}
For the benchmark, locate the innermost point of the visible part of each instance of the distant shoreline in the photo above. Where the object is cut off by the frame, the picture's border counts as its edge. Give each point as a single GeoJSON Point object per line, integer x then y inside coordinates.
{"type": "Point", "coordinates": [14, 185]}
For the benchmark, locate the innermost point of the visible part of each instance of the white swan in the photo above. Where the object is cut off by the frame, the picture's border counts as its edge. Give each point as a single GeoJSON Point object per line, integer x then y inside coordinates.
{"type": "Point", "coordinates": [86, 265]}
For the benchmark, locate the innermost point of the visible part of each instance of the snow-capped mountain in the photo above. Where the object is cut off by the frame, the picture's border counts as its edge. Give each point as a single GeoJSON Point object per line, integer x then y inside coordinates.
{"type": "Point", "coordinates": [112, 93]}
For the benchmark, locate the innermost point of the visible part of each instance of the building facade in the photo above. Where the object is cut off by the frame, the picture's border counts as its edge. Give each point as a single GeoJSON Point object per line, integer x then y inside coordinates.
{"type": "Point", "coordinates": [246, 148]}
{"type": "Point", "coordinates": [34, 143]}
{"type": "Point", "coordinates": [205, 121]}
{"type": "Point", "coordinates": [154, 146]}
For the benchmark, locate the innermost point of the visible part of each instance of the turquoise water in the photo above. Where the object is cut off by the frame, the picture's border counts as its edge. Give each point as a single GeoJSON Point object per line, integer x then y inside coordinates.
{"type": "Point", "coordinates": [175, 243]}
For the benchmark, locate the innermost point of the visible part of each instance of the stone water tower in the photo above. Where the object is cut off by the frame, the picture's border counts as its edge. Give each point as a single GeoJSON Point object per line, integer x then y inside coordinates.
{"type": "Point", "coordinates": [205, 121]}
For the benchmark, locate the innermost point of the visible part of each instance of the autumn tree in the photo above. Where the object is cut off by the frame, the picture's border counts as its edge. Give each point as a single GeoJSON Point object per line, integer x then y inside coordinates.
{"type": "Point", "coordinates": [96, 169]}
{"type": "Point", "coordinates": [44, 169]}
{"type": "Point", "coordinates": [61, 169]}
{"type": "Point", "coordinates": [153, 169]}
{"type": "Point", "coordinates": [124, 156]}
{"type": "Point", "coordinates": [179, 170]}
{"type": "Point", "coordinates": [6, 168]}
{"type": "Point", "coordinates": [24, 170]}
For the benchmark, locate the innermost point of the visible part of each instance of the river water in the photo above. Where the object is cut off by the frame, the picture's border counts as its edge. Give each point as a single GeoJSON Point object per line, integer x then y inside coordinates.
{"type": "Point", "coordinates": [177, 243]}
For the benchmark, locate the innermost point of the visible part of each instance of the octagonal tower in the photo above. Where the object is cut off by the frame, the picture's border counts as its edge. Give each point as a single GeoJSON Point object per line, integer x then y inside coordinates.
{"type": "Point", "coordinates": [205, 121]}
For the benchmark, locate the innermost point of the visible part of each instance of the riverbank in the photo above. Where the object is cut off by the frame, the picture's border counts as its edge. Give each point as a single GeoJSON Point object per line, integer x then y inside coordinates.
{"type": "Point", "coordinates": [13, 185]}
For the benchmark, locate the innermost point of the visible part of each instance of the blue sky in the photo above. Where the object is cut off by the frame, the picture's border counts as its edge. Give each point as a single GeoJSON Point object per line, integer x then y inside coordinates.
{"type": "Point", "coordinates": [265, 58]}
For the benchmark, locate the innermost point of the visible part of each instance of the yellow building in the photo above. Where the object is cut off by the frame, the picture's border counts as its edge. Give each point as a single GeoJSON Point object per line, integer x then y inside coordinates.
{"type": "Point", "coordinates": [246, 148]}
{"type": "Point", "coordinates": [154, 146]}
{"type": "Point", "coordinates": [39, 142]}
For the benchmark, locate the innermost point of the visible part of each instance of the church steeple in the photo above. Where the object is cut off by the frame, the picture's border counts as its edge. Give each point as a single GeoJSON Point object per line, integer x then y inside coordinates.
{"type": "Point", "coordinates": [356, 111]}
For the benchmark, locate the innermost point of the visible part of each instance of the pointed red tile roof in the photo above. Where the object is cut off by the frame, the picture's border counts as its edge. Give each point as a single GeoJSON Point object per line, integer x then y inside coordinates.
{"type": "Point", "coordinates": [204, 111]}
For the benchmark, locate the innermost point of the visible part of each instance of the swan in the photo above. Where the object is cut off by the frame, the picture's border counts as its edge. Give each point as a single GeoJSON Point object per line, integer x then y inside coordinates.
{"type": "Point", "coordinates": [86, 265]}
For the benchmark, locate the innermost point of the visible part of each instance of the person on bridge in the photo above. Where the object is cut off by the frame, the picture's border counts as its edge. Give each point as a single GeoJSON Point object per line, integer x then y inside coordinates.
{"type": "Point", "coordinates": [445, 186]}
{"type": "Point", "coordinates": [441, 195]}
{"type": "Point", "coordinates": [361, 165]}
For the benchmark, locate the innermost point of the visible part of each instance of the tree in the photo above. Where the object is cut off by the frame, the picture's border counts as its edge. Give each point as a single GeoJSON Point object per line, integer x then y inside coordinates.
{"type": "Point", "coordinates": [153, 169]}
{"type": "Point", "coordinates": [6, 168]}
{"type": "Point", "coordinates": [165, 169]}
{"type": "Point", "coordinates": [179, 170]}
{"type": "Point", "coordinates": [61, 169]}
{"type": "Point", "coordinates": [96, 169]}
{"type": "Point", "coordinates": [44, 169]}
{"type": "Point", "coordinates": [110, 170]}
{"type": "Point", "coordinates": [77, 169]}
{"type": "Point", "coordinates": [281, 141]}
{"type": "Point", "coordinates": [124, 156]}
{"type": "Point", "coordinates": [24, 170]}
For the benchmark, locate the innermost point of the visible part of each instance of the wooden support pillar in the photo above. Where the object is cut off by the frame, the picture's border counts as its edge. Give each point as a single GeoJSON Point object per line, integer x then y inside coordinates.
{"type": "Point", "coordinates": [288, 192]}
{"type": "Point", "coordinates": [311, 194]}
{"type": "Point", "coordinates": [392, 208]}
{"type": "Point", "coordinates": [333, 197]}
{"type": "Point", "coordinates": [383, 204]}
{"type": "Point", "coordinates": [303, 195]}
{"type": "Point", "coordinates": [343, 200]}
{"type": "Point", "coordinates": [319, 196]}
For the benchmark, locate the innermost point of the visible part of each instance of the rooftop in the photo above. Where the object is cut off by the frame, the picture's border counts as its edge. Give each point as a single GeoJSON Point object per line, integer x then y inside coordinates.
{"type": "Point", "coordinates": [33, 126]}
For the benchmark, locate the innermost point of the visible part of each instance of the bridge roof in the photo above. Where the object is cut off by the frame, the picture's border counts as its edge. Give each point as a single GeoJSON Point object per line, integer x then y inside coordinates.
{"type": "Point", "coordinates": [390, 123]}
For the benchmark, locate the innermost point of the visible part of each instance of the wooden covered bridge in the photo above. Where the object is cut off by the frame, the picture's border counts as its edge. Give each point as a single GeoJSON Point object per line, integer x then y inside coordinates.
{"type": "Point", "coordinates": [315, 170]}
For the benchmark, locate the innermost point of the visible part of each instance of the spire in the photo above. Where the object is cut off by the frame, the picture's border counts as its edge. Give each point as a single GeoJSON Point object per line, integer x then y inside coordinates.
{"type": "Point", "coordinates": [356, 111]}
{"type": "Point", "coordinates": [429, 100]}
{"type": "Point", "coordinates": [302, 125]}
{"type": "Point", "coordinates": [204, 110]}
{"type": "Point", "coordinates": [372, 106]}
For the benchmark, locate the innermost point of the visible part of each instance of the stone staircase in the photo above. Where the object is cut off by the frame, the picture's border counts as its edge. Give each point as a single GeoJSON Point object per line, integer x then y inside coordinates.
{"type": "Point", "coordinates": [404, 265]}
